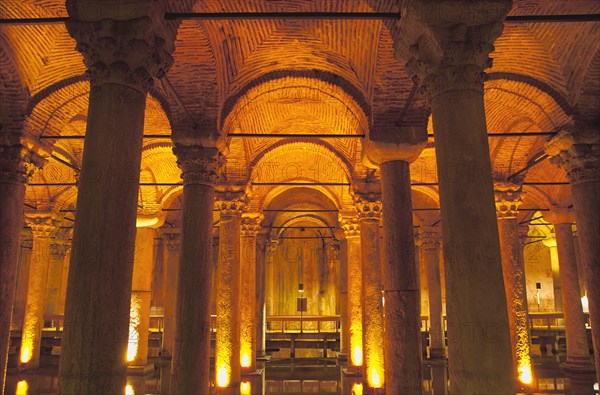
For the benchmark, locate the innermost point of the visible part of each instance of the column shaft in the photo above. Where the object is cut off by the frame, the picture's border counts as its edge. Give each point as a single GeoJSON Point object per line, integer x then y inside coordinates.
{"type": "Point", "coordinates": [172, 243]}
{"type": "Point", "coordinates": [103, 244]}
{"type": "Point", "coordinates": [260, 300]}
{"type": "Point", "coordinates": [191, 354]}
{"type": "Point", "coordinates": [369, 214]}
{"type": "Point", "coordinates": [431, 250]}
{"type": "Point", "coordinates": [227, 345]}
{"type": "Point", "coordinates": [343, 298]}
{"type": "Point", "coordinates": [141, 292]}
{"type": "Point", "coordinates": [58, 252]}
{"type": "Point", "coordinates": [403, 360]}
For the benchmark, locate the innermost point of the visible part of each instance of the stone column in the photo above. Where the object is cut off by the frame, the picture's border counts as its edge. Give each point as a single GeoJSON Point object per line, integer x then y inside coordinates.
{"type": "Point", "coordinates": [578, 367]}
{"type": "Point", "coordinates": [16, 165]}
{"type": "Point", "coordinates": [227, 344]}
{"type": "Point", "coordinates": [261, 274]}
{"type": "Point", "coordinates": [451, 43]}
{"type": "Point", "coordinates": [123, 49]}
{"type": "Point", "coordinates": [579, 154]}
{"type": "Point", "coordinates": [349, 223]}
{"type": "Point", "coordinates": [508, 200]}
{"type": "Point", "coordinates": [249, 229]}
{"type": "Point", "coordinates": [191, 354]}
{"type": "Point", "coordinates": [44, 226]}
{"type": "Point", "coordinates": [369, 216]}
{"type": "Point", "coordinates": [58, 252]}
{"type": "Point", "coordinates": [430, 238]}
{"type": "Point", "coordinates": [173, 243]}
{"type": "Point", "coordinates": [141, 292]}
{"type": "Point", "coordinates": [343, 297]}
{"type": "Point", "coordinates": [393, 150]}
{"type": "Point", "coordinates": [270, 269]}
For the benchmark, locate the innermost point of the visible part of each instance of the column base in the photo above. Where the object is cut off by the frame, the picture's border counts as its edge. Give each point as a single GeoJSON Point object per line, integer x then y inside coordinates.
{"type": "Point", "coordinates": [437, 353]}
{"type": "Point", "coordinates": [342, 356]}
{"type": "Point", "coordinates": [252, 372]}
{"type": "Point", "coordinates": [140, 370]}
{"type": "Point", "coordinates": [231, 390]}
{"type": "Point", "coordinates": [352, 371]}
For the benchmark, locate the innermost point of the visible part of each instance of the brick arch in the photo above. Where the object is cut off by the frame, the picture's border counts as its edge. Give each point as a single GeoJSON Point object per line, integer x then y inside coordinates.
{"type": "Point", "coordinates": [13, 96]}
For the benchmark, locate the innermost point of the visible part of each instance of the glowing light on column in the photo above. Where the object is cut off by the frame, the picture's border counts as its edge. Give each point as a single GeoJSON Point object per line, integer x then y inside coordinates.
{"type": "Point", "coordinates": [245, 388]}
{"type": "Point", "coordinates": [374, 379]}
{"type": "Point", "coordinates": [585, 304]}
{"type": "Point", "coordinates": [357, 389]}
{"type": "Point", "coordinates": [245, 359]}
{"type": "Point", "coordinates": [26, 347]}
{"type": "Point", "coordinates": [134, 322]}
{"type": "Point", "coordinates": [129, 389]}
{"type": "Point", "coordinates": [223, 376]}
{"type": "Point", "coordinates": [357, 356]}
{"type": "Point", "coordinates": [525, 375]}
{"type": "Point", "coordinates": [22, 388]}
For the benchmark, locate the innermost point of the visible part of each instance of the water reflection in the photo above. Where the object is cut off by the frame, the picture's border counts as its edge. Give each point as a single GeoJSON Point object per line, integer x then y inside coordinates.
{"type": "Point", "coordinates": [285, 376]}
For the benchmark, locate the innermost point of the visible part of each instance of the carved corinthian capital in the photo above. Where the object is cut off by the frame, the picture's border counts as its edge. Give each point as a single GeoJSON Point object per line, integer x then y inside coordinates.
{"type": "Point", "coordinates": [451, 42]}
{"type": "Point", "coordinates": [578, 154]}
{"type": "Point", "coordinates": [251, 224]}
{"type": "Point", "coordinates": [509, 197]}
{"type": "Point", "coordinates": [368, 209]}
{"type": "Point", "coordinates": [199, 165]}
{"type": "Point", "coordinates": [44, 225]}
{"type": "Point", "coordinates": [349, 223]}
{"type": "Point", "coordinates": [17, 163]}
{"type": "Point", "coordinates": [123, 52]}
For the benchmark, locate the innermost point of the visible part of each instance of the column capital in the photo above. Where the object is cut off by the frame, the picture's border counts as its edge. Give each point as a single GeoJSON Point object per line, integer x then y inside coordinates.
{"type": "Point", "coordinates": [17, 163]}
{"type": "Point", "coordinates": [509, 196]}
{"type": "Point", "coordinates": [230, 204]}
{"type": "Point", "coordinates": [349, 223]}
{"type": "Point", "coordinates": [172, 241]}
{"type": "Point", "coordinates": [43, 224]}
{"type": "Point", "coordinates": [129, 52]}
{"type": "Point", "coordinates": [560, 215]}
{"type": "Point", "coordinates": [394, 144]}
{"type": "Point", "coordinates": [199, 165]}
{"type": "Point", "coordinates": [451, 42]}
{"type": "Point", "coordinates": [59, 250]}
{"type": "Point", "coordinates": [578, 153]}
{"type": "Point", "coordinates": [429, 237]}
{"type": "Point", "coordinates": [368, 208]}
{"type": "Point", "coordinates": [251, 224]}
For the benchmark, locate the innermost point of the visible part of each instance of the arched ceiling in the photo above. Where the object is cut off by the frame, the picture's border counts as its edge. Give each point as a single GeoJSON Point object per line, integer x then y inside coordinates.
{"type": "Point", "coordinates": [266, 76]}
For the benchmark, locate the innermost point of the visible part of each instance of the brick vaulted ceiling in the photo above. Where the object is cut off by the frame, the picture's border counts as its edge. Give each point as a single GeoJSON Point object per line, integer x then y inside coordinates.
{"type": "Point", "coordinates": [290, 76]}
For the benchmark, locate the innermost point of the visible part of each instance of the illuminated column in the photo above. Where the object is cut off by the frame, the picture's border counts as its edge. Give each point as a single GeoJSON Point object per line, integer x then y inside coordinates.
{"type": "Point", "coordinates": [16, 165]}
{"type": "Point", "coordinates": [369, 216]}
{"type": "Point", "coordinates": [393, 149]}
{"type": "Point", "coordinates": [141, 292]}
{"type": "Point", "coordinates": [349, 223]}
{"type": "Point", "coordinates": [44, 226]}
{"type": "Point", "coordinates": [579, 154]}
{"type": "Point", "coordinates": [173, 243]}
{"type": "Point", "coordinates": [270, 275]}
{"type": "Point", "coordinates": [58, 252]}
{"type": "Point", "coordinates": [261, 273]}
{"type": "Point", "coordinates": [191, 354]}
{"type": "Point", "coordinates": [578, 367]}
{"type": "Point", "coordinates": [64, 280]}
{"type": "Point", "coordinates": [247, 310]}
{"type": "Point", "coordinates": [227, 344]}
{"type": "Point", "coordinates": [343, 296]}
{"type": "Point", "coordinates": [123, 49]}
{"type": "Point", "coordinates": [430, 246]}
{"type": "Point", "coordinates": [508, 200]}
{"type": "Point", "coordinates": [450, 64]}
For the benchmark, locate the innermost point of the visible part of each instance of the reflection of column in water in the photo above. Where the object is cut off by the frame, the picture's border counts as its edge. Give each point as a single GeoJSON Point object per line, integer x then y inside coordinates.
{"type": "Point", "coordinates": [439, 379]}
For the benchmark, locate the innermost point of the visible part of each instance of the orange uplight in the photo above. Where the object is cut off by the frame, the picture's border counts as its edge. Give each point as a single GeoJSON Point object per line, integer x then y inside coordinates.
{"type": "Point", "coordinates": [525, 375]}
{"type": "Point", "coordinates": [134, 322]}
{"type": "Point", "coordinates": [22, 388]}
{"type": "Point", "coordinates": [245, 361]}
{"type": "Point", "coordinates": [223, 377]}
{"type": "Point", "coordinates": [357, 389]}
{"type": "Point", "coordinates": [245, 388]}
{"type": "Point", "coordinates": [375, 379]}
{"type": "Point", "coordinates": [129, 390]}
{"type": "Point", "coordinates": [25, 351]}
{"type": "Point", "coordinates": [357, 356]}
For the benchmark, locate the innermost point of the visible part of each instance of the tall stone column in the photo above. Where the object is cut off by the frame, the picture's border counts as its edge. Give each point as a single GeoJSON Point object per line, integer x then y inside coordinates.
{"type": "Point", "coordinates": [58, 252]}
{"type": "Point", "coordinates": [451, 41]}
{"type": "Point", "coordinates": [343, 296]}
{"type": "Point", "coordinates": [579, 154]}
{"type": "Point", "coordinates": [261, 311]}
{"type": "Point", "coordinates": [430, 238]}
{"type": "Point", "coordinates": [249, 230]}
{"type": "Point", "coordinates": [172, 243]}
{"type": "Point", "coordinates": [270, 275]}
{"type": "Point", "coordinates": [16, 165]}
{"type": "Point", "coordinates": [227, 344]}
{"type": "Point", "coordinates": [349, 223]}
{"type": "Point", "coordinates": [141, 292]}
{"type": "Point", "coordinates": [508, 200]}
{"type": "Point", "coordinates": [190, 366]}
{"type": "Point", "coordinates": [369, 216]}
{"type": "Point", "coordinates": [44, 226]}
{"type": "Point", "coordinates": [123, 49]}
{"type": "Point", "coordinates": [578, 367]}
{"type": "Point", "coordinates": [393, 150]}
